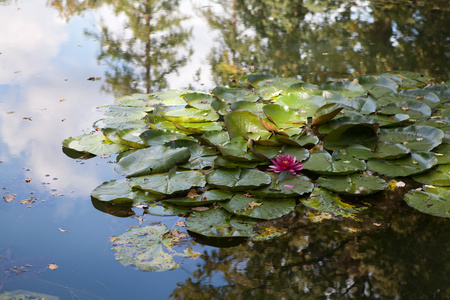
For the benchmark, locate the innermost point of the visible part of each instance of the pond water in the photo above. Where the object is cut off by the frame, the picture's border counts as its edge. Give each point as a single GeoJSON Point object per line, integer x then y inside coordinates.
{"type": "Point", "coordinates": [59, 60]}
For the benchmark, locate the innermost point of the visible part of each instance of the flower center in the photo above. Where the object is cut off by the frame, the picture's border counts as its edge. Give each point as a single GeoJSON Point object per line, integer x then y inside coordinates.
{"type": "Point", "coordinates": [285, 162]}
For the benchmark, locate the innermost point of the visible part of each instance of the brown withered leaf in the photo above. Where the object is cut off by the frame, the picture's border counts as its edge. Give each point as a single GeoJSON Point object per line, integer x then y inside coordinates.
{"type": "Point", "coordinates": [53, 266]}
{"type": "Point", "coordinates": [248, 195]}
{"type": "Point", "coordinates": [28, 201]}
{"type": "Point", "coordinates": [27, 179]}
{"type": "Point", "coordinates": [203, 198]}
{"type": "Point", "coordinates": [200, 208]}
{"type": "Point", "coordinates": [192, 194]}
{"type": "Point", "coordinates": [180, 223]}
{"type": "Point", "coordinates": [177, 233]}
{"type": "Point", "coordinates": [253, 204]}
{"type": "Point", "coordinates": [63, 230]}
{"type": "Point", "coordinates": [9, 198]}
{"type": "Point", "coordinates": [113, 238]}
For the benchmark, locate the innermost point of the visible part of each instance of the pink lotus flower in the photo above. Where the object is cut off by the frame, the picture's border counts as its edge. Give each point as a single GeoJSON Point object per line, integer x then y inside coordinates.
{"type": "Point", "coordinates": [285, 163]}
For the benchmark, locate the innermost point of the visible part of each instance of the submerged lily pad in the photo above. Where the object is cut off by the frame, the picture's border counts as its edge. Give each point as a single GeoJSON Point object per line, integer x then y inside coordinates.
{"type": "Point", "coordinates": [156, 159]}
{"type": "Point", "coordinates": [353, 184]}
{"type": "Point", "coordinates": [150, 248]}
{"type": "Point", "coordinates": [436, 203]}
{"type": "Point", "coordinates": [329, 202]}
{"type": "Point", "coordinates": [259, 208]}
{"type": "Point", "coordinates": [220, 223]}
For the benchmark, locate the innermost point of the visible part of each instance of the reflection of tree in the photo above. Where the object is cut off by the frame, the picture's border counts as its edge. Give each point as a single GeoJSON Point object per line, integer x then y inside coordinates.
{"type": "Point", "coordinates": [318, 39]}
{"type": "Point", "coordinates": [398, 256]}
{"type": "Point", "coordinates": [151, 46]}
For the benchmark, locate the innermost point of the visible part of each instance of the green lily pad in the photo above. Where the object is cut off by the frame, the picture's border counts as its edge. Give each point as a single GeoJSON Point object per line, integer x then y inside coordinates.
{"type": "Point", "coordinates": [237, 149]}
{"type": "Point", "coordinates": [416, 138]}
{"type": "Point", "coordinates": [164, 208]}
{"type": "Point", "coordinates": [96, 144]}
{"type": "Point", "coordinates": [155, 137]}
{"type": "Point", "coordinates": [435, 204]}
{"type": "Point", "coordinates": [216, 138]}
{"type": "Point", "coordinates": [351, 134]}
{"type": "Point", "coordinates": [208, 197]}
{"type": "Point", "coordinates": [268, 153]}
{"type": "Point", "coordinates": [124, 111]}
{"type": "Point", "coordinates": [254, 108]}
{"type": "Point", "coordinates": [304, 102]}
{"type": "Point", "coordinates": [156, 159]}
{"type": "Point", "coordinates": [353, 184]}
{"type": "Point", "coordinates": [390, 120]}
{"type": "Point", "coordinates": [220, 223]}
{"type": "Point", "coordinates": [442, 153]}
{"type": "Point", "coordinates": [190, 115]}
{"type": "Point", "coordinates": [259, 208]}
{"type": "Point", "coordinates": [120, 123]}
{"type": "Point", "coordinates": [195, 128]}
{"type": "Point", "coordinates": [135, 100]}
{"type": "Point", "coordinates": [301, 87]}
{"type": "Point", "coordinates": [169, 98]}
{"type": "Point", "coordinates": [326, 113]}
{"type": "Point", "coordinates": [336, 164]}
{"type": "Point", "coordinates": [364, 104]}
{"type": "Point", "coordinates": [349, 89]}
{"type": "Point", "coordinates": [415, 163]}
{"type": "Point", "coordinates": [439, 176]}
{"type": "Point", "coordinates": [238, 179]}
{"type": "Point", "coordinates": [169, 184]}
{"type": "Point", "coordinates": [442, 123]}
{"type": "Point", "coordinates": [116, 191]}
{"type": "Point", "coordinates": [283, 116]}
{"type": "Point", "coordinates": [383, 150]}
{"type": "Point", "coordinates": [241, 122]}
{"type": "Point", "coordinates": [149, 248]}
{"type": "Point", "coordinates": [346, 120]}
{"type": "Point", "coordinates": [130, 137]}
{"type": "Point", "coordinates": [377, 85]}
{"type": "Point", "coordinates": [201, 101]}
{"type": "Point", "coordinates": [232, 95]}
{"type": "Point", "coordinates": [222, 162]}
{"type": "Point", "coordinates": [410, 79]}
{"type": "Point", "coordinates": [442, 91]}
{"type": "Point", "coordinates": [329, 202]}
{"type": "Point", "coordinates": [285, 185]}
{"type": "Point", "coordinates": [158, 122]}
{"type": "Point", "coordinates": [308, 141]}
{"type": "Point", "coordinates": [271, 87]}
{"type": "Point", "coordinates": [414, 109]}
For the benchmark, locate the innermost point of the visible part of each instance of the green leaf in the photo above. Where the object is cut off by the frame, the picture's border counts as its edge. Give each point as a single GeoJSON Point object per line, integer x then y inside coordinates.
{"type": "Point", "coordinates": [96, 144]}
{"type": "Point", "coordinates": [216, 138]}
{"type": "Point", "coordinates": [169, 98]}
{"type": "Point", "coordinates": [415, 163]}
{"type": "Point", "coordinates": [414, 109]}
{"type": "Point", "coordinates": [190, 115]}
{"type": "Point", "coordinates": [120, 123]}
{"type": "Point", "coordinates": [232, 95]}
{"type": "Point", "coordinates": [114, 191]}
{"type": "Point", "coordinates": [439, 176]}
{"type": "Point", "coordinates": [299, 140]}
{"type": "Point", "coordinates": [338, 164]}
{"type": "Point", "coordinates": [130, 137]}
{"type": "Point", "coordinates": [156, 159]}
{"type": "Point", "coordinates": [416, 138]}
{"type": "Point", "coordinates": [164, 208]}
{"type": "Point", "coordinates": [259, 208]}
{"type": "Point", "coordinates": [435, 204]}
{"type": "Point", "coordinates": [349, 89]}
{"type": "Point", "coordinates": [377, 85]}
{"type": "Point", "coordinates": [364, 104]}
{"type": "Point", "coordinates": [201, 101]}
{"type": "Point", "coordinates": [326, 201]}
{"type": "Point", "coordinates": [165, 184]}
{"type": "Point", "coordinates": [354, 184]}
{"type": "Point", "coordinates": [155, 137]}
{"type": "Point", "coordinates": [254, 108]}
{"type": "Point", "coordinates": [149, 248]}
{"type": "Point", "coordinates": [221, 161]}
{"type": "Point", "coordinates": [237, 179]}
{"type": "Point", "coordinates": [351, 134]}
{"type": "Point", "coordinates": [383, 150]}
{"type": "Point", "coordinates": [135, 100]}
{"type": "Point", "coordinates": [442, 91]}
{"type": "Point", "coordinates": [196, 128]}
{"type": "Point", "coordinates": [220, 223]}
{"type": "Point", "coordinates": [241, 122]}
{"type": "Point", "coordinates": [129, 112]}
{"type": "Point", "coordinates": [305, 103]}
{"type": "Point", "coordinates": [208, 197]}
{"type": "Point", "coordinates": [237, 149]}
{"type": "Point", "coordinates": [285, 185]}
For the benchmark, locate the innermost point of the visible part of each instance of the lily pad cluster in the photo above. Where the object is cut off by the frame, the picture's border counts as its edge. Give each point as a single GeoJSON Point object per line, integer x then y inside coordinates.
{"type": "Point", "coordinates": [207, 156]}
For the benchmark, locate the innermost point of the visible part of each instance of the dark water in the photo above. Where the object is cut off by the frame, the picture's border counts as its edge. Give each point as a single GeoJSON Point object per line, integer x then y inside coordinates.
{"type": "Point", "coordinates": [50, 49]}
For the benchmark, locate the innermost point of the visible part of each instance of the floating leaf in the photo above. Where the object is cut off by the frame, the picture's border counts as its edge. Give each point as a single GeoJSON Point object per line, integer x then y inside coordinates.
{"type": "Point", "coordinates": [238, 179]}
{"type": "Point", "coordinates": [232, 95]}
{"type": "Point", "coordinates": [338, 164]}
{"type": "Point", "coordinates": [377, 85]}
{"type": "Point", "coordinates": [349, 89]}
{"type": "Point", "coordinates": [156, 159]}
{"type": "Point", "coordinates": [383, 150]}
{"type": "Point", "coordinates": [208, 197]}
{"type": "Point", "coordinates": [165, 184]}
{"type": "Point", "coordinates": [190, 115]}
{"type": "Point", "coordinates": [150, 248]}
{"type": "Point", "coordinates": [96, 144]}
{"type": "Point", "coordinates": [285, 185]}
{"type": "Point", "coordinates": [241, 122]}
{"type": "Point", "coordinates": [351, 134]}
{"type": "Point", "coordinates": [439, 176]}
{"type": "Point", "coordinates": [130, 137]}
{"type": "Point", "coordinates": [220, 223]}
{"type": "Point", "coordinates": [120, 123]}
{"type": "Point", "coordinates": [154, 137]}
{"type": "Point", "coordinates": [328, 202]}
{"type": "Point", "coordinates": [415, 163]}
{"type": "Point", "coordinates": [259, 208]}
{"type": "Point", "coordinates": [299, 140]}
{"type": "Point", "coordinates": [435, 204]}
{"type": "Point", "coordinates": [283, 116]}
{"type": "Point", "coordinates": [164, 208]}
{"type": "Point", "coordinates": [117, 191]}
{"type": "Point", "coordinates": [416, 138]}
{"type": "Point", "coordinates": [200, 101]}
{"type": "Point", "coordinates": [414, 109]}
{"type": "Point", "coordinates": [354, 184]}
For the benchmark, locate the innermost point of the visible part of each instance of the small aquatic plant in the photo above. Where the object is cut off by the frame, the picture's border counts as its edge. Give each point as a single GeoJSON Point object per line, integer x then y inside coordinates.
{"type": "Point", "coordinates": [285, 163]}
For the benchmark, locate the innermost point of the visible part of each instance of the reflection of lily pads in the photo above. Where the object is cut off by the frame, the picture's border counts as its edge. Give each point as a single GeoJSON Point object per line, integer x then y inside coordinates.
{"type": "Point", "coordinates": [259, 208]}
{"type": "Point", "coordinates": [150, 248]}
{"type": "Point", "coordinates": [220, 223]}
{"type": "Point", "coordinates": [436, 203]}
{"type": "Point", "coordinates": [353, 184]}
{"type": "Point", "coordinates": [329, 202]}
{"type": "Point", "coordinates": [415, 163]}
{"type": "Point", "coordinates": [336, 164]}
